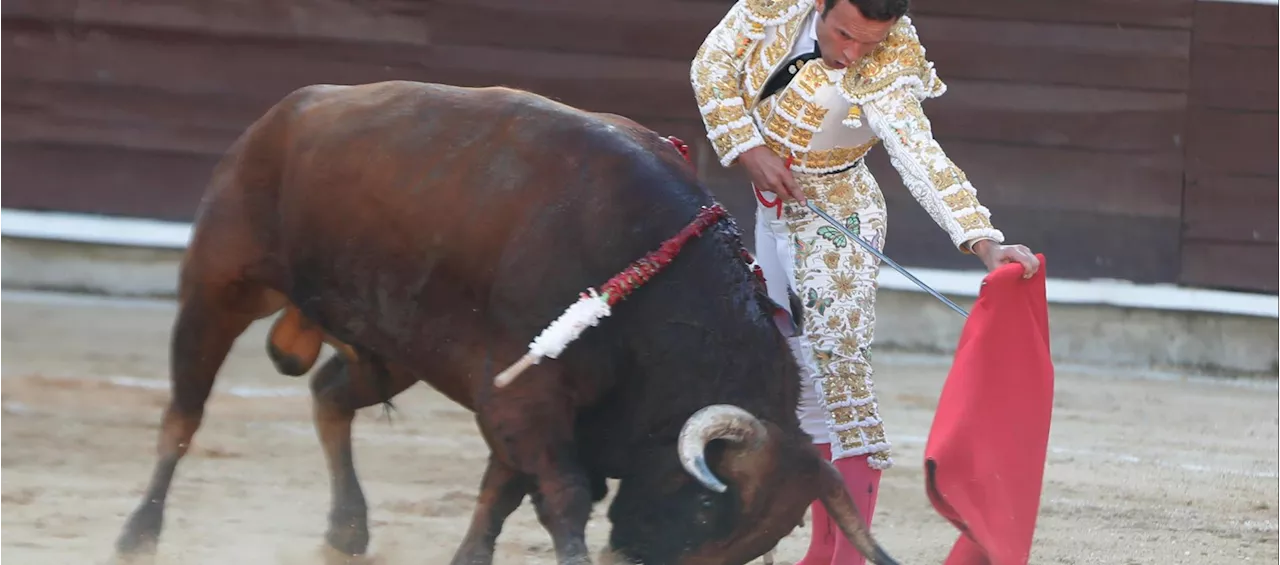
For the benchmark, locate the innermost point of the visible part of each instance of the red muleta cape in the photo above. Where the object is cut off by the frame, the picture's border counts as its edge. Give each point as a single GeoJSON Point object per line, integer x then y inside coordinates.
{"type": "Point", "coordinates": [984, 460]}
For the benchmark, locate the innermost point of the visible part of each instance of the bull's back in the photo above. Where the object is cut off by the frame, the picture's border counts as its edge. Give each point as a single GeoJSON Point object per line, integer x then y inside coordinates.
{"type": "Point", "coordinates": [407, 213]}
{"type": "Point", "coordinates": [411, 163]}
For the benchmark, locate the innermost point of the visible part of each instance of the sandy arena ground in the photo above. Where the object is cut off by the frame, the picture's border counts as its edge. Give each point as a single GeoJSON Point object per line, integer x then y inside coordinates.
{"type": "Point", "coordinates": [1141, 471]}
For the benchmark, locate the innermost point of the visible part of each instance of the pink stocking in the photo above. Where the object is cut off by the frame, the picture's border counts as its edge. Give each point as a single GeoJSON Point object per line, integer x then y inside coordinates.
{"type": "Point", "coordinates": [863, 484]}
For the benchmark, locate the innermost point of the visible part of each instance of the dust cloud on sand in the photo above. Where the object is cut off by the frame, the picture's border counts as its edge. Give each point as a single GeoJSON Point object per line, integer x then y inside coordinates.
{"type": "Point", "coordinates": [1141, 470]}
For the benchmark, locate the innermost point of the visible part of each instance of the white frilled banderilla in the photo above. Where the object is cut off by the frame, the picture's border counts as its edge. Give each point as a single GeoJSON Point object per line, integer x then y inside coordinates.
{"type": "Point", "coordinates": [592, 306]}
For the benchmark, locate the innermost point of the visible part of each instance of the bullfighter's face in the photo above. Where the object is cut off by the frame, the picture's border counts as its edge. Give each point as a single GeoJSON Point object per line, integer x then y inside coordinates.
{"type": "Point", "coordinates": [706, 502]}
{"type": "Point", "coordinates": [845, 35]}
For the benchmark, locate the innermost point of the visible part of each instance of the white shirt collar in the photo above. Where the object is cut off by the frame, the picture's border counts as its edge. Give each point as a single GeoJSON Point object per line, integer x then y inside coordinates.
{"type": "Point", "coordinates": [813, 25]}
{"type": "Point", "coordinates": [804, 42]}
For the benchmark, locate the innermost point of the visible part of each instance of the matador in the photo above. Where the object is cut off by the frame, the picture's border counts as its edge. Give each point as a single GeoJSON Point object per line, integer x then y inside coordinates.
{"type": "Point", "coordinates": [797, 92]}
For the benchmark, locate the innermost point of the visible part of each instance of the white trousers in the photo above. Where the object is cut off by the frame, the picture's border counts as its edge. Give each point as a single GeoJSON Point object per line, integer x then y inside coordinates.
{"type": "Point", "coordinates": [835, 279]}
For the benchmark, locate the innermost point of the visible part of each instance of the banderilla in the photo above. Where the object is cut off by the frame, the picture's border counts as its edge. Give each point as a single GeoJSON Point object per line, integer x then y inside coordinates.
{"type": "Point", "coordinates": [849, 233]}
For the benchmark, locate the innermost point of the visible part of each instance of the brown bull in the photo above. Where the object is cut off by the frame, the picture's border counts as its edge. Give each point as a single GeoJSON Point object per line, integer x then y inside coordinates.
{"type": "Point", "coordinates": [433, 231]}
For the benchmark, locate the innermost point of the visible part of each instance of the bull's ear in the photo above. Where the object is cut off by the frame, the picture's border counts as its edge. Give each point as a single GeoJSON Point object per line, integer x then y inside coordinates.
{"type": "Point", "coordinates": [785, 324]}
{"type": "Point", "coordinates": [797, 308]}
{"type": "Point", "coordinates": [788, 324]}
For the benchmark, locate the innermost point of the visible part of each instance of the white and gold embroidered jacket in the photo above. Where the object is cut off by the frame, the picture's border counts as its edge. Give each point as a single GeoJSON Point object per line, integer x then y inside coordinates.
{"type": "Point", "coordinates": [825, 119]}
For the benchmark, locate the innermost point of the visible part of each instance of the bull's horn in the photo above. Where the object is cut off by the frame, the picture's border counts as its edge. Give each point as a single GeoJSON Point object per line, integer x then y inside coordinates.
{"type": "Point", "coordinates": [718, 421]}
{"type": "Point", "coordinates": [844, 511]}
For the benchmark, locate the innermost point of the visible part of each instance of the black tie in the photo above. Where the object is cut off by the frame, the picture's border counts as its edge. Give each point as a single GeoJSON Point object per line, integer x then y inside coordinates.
{"type": "Point", "coordinates": [788, 72]}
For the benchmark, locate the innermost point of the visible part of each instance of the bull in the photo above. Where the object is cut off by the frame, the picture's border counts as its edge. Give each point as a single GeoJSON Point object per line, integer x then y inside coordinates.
{"type": "Point", "coordinates": [428, 232]}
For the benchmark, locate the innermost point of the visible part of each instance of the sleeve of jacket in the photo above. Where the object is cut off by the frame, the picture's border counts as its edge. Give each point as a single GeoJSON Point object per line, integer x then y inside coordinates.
{"type": "Point", "coordinates": [933, 179]}
{"type": "Point", "coordinates": [716, 74]}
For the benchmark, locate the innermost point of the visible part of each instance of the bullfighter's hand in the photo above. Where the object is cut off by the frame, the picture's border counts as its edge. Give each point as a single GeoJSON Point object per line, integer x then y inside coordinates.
{"type": "Point", "coordinates": [769, 172]}
{"type": "Point", "coordinates": [993, 255]}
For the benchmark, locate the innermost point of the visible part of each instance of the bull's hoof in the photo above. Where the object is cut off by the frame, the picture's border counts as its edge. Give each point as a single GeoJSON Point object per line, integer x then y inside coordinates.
{"type": "Point", "coordinates": [331, 556]}
{"type": "Point", "coordinates": [348, 536]}
{"type": "Point", "coordinates": [473, 554]}
{"type": "Point", "coordinates": [141, 534]}
{"type": "Point", "coordinates": [143, 554]}
{"type": "Point", "coordinates": [132, 559]}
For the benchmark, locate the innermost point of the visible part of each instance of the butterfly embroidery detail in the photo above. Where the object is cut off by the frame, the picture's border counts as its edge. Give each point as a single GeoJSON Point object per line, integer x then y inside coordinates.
{"type": "Point", "coordinates": [821, 304]}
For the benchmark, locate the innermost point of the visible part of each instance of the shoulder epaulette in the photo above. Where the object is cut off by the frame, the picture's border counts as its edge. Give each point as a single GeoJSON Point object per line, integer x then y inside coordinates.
{"type": "Point", "coordinates": [899, 62]}
{"type": "Point", "coordinates": [774, 12]}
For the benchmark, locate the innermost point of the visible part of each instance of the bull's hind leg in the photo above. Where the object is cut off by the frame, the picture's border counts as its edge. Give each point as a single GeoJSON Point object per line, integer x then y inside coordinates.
{"type": "Point", "coordinates": [343, 385]}
{"type": "Point", "coordinates": [209, 320]}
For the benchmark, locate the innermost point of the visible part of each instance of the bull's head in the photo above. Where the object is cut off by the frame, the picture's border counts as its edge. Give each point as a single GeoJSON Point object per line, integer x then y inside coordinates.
{"type": "Point", "coordinates": [733, 487]}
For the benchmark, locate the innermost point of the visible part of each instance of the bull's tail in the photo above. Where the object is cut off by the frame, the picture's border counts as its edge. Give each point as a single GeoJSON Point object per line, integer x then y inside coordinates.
{"type": "Point", "coordinates": [382, 384]}
{"type": "Point", "coordinates": [844, 512]}
{"type": "Point", "coordinates": [869, 548]}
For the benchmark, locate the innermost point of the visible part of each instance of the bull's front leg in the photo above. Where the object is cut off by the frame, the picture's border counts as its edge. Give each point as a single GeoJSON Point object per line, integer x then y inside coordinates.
{"type": "Point", "coordinates": [501, 490]}
{"type": "Point", "coordinates": [529, 426]}
{"type": "Point", "coordinates": [563, 504]}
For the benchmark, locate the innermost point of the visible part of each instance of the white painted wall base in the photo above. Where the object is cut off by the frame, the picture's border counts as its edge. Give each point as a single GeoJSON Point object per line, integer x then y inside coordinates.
{"type": "Point", "coordinates": [90, 268]}
{"type": "Point", "coordinates": [1103, 323]}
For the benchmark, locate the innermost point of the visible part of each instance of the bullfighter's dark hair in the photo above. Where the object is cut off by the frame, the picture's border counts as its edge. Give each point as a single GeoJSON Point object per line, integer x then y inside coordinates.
{"type": "Point", "coordinates": [878, 10]}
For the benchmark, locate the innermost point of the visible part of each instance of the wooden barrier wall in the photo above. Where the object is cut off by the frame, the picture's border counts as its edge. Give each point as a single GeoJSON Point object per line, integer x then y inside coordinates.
{"type": "Point", "coordinates": [1125, 140]}
{"type": "Point", "coordinates": [1230, 202]}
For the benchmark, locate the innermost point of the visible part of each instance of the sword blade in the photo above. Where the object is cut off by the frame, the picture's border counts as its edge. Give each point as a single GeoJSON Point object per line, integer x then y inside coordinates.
{"type": "Point", "coordinates": [884, 258]}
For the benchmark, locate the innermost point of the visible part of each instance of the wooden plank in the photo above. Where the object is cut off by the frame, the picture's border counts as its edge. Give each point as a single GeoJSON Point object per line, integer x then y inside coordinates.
{"type": "Point", "coordinates": [1229, 77]}
{"type": "Point", "coordinates": [1079, 245]}
{"type": "Point", "coordinates": [1235, 143]}
{"type": "Point", "coordinates": [1162, 14]}
{"type": "Point", "coordinates": [173, 63]}
{"type": "Point", "coordinates": [639, 88]}
{"type": "Point", "coordinates": [37, 8]}
{"type": "Point", "coordinates": [27, 127]}
{"type": "Point", "coordinates": [1050, 53]}
{"type": "Point", "coordinates": [118, 179]}
{"type": "Point", "coordinates": [153, 119]}
{"type": "Point", "coordinates": [104, 180]}
{"type": "Point", "coordinates": [128, 104]}
{"type": "Point", "coordinates": [1236, 23]}
{"type": "Point", "coordinates": [553, 25]}
{"type": "Point", "coordinates": [1228, 209]}
{"type": "Point", "coordinates": [313, 19]}
{"type": "Point", "coordinates": [602, 28]}
{"type": "Point", "coordinates": [1170, 14]}
{"type": "Point", "coordinates": [1229, 240]}
{"type": "Point", "coordinates": [266, 71]}
{"type": "Point", "coordinates": [125, 117]}
{"type": "Point", "coordinates": [1135, 185]}
{"type": "Point", "coordinates": [1058, 116]}
{"type": "Point", "coordinates": [1230, 266]}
